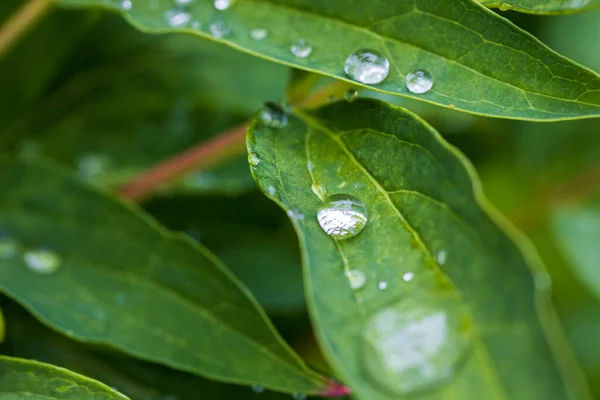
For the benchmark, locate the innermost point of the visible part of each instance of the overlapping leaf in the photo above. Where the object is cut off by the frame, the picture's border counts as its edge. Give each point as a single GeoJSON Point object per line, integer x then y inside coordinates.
{"type": "Point", "coordinates": [481, 63]}
{"type": "Point", "coordinates": [426, 216]}
{"type": "Point", "coordinates": [126, 283]}
{"type": "Point", "coordinates": [543, 6]}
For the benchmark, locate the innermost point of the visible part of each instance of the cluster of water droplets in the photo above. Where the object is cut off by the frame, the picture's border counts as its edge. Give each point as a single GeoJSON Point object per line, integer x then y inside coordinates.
{"type": "Point", "coordinates": [273, 115]}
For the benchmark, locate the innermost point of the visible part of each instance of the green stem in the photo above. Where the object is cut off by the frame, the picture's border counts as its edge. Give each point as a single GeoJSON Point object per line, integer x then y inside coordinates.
{"type": "Point", "coordinates": [20, 22]}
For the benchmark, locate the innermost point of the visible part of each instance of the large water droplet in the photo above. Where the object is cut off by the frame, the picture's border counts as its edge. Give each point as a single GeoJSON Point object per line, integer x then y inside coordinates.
{"type": "Point", "coordinates": [222, 4]}
{"type": "Point", "coordinates": [177, 18]}
{"type": "Point", "coordinates": [219, 30]}
{"type": "Point", "coordinates": [93, 164]}
{"type": "Point", "coordinates": [357, 278]}
{"type": "Point", "coordinates": [273, 115]}
{"type": "Point", "coordinates": [343, 216]}
{"type": "Point", "coordinates": [301, 49]}
{"type": "Point", "coordinates": [367, 66]}
{"type": "Point", "coordinates": [419, 81]}
{"type": "Point", "coordinates": [9, 247]}
{"type": "Point", "coordinates": [42, 261]}
{"type": "Point", "coordinates": [416, 343]}
{"type": "Point", "coordinates": [258, 34]}
{"type": "Point", "coordinates": [258, 388]}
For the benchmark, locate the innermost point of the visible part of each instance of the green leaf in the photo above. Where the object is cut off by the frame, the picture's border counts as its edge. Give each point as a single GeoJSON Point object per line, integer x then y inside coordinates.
{"type": "Point", "coordinates": [32, 380]}
{"type": "Point", "coordinates": [481, 62]}
{"type": "Point", "coordinates": [426, 216]}
{"type": "Point", "coordinates": [125, 282]}
{"type": "Point", "coordinates": [546, 7]}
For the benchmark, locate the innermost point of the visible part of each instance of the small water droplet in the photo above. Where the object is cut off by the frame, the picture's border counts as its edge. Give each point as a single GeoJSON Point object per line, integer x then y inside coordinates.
{"type": "Point", "coordinates": [92, 165]}
{"type": "Point", "coordinates": [42, 261]}
{"type": "Point", "coordinates": [222, 4]}
{"type": "Point", "coordinates": [319, 191]}
{"type": "Point", "coordinates": [367, 66]}
{"type": "Point", "coordinates": [299, 396]}
{"type": "Point", "coordinates": [382, 285]}
{"type": "Point", "coordinates": [295, 214]}
{"type": "Point", "coordinates": [407, 277]}
{"type": "Point", "coordinates": [184, 2]}
{"type": "Point", "coordinates": [415, 343]}
{"type": "Point", "coordinates": [357, 278]}
{"type": "Point", "coordinates": [351, 94]}
{"type": "Point", "coordinates": [9, 247]}
{"type": "Point", "coordinates": [273, 115]}
{"type": "Point", "coordinates": [441, 257]}
{"type": "Point", "coordinates": [271, 190]}
{"type": "Point", "coordinates": [419, 81]}
{"type": "Point", "coordinates": [177, 18]}
{"type": "Point", "coordinates": [258, 388]}
{"type": "Point", "coordinates": [258, 34]}
{"type": "Point", "coordinates": [301, 49]}
{"type": "Point", "coordinates": [219, 30]}
{"type": "Point", "coordinates": [253, 159]}
{"type": "Point", "coordinates": [126, 5]}
{"type": "Point", "coordinates": [343, 216]}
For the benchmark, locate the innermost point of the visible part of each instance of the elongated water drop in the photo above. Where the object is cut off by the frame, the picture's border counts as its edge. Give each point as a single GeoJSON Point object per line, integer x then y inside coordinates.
{"type": "Point", "coordinates": [258, 34]}
{"type": "Point", "coordinates": [273, 115]}
{"type": "Point", "coordinates": [356, 278]}
{"type": "Point", "coordinates": [219, 30]}
{"type": "Point", "coordinates": [42, 261]}
{"type": "Point", "coordinates": [342, 216]}
{"type": "Point", "coordinates": [419, 81]}
{"type": "Point", "coordinates": [367, 66]}
{"type": "Point", "coordinates": [301, 49]}
{"type": "Point", "coordinates": [177, 18]}
{"type": "Point", "coordinates": [415, 343]}
{"type": "Point", "coordinates": [9, 247]}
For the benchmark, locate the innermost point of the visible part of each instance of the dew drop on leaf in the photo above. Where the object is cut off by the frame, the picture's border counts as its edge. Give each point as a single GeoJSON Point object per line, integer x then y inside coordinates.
{"type": "Point", "coordinates": [184, 2]}
{"type": "Point", "coordinates": [351, 94]}
{"type": "Point", "coordinates": [419, 81]}
{"type": "Point", "coordinates": [407, 277]}
{"type": "Point", "coordinates": [382, 285]}
{"type": "Point", "coordinates": [9, 247]}
{"type": "Point", "coordinates": [356, 278]}
{"type": "Point", "coordinates": [218, 29]}
{"type": "Point", "coordinates": [367, 66]}
{"type": "Point", "coordinates": [301, 49]}
{"type": "Point", "coordinates": [342, 216]}
{"type": "Point", "coordinates": [319, 191]}
{"type": "Point", "coordinates": [258, 388]}
{"type": "Point", "coordinates": [126, 5]}
{"type": "Point", "coordinates": [295, 214]}
{"type": "Point", "coordinates": [258, 34]}
{"type": "Point", "coordinates": [222, 4]}
{"type": "Point", "coordinates": [415, 343]}
{"type": "Point", "coordinates": [177, 18]}
{"type": "Point", "coordinates": [42, 261]}
{"type": "Point", "coordinates": [253, 159]}
{"type": "Point", "coordinates": [92, 165]}
{"type": "Point", "coordinates": [273, 115]}
{"type": "Point", "coordinates": [441, 257]}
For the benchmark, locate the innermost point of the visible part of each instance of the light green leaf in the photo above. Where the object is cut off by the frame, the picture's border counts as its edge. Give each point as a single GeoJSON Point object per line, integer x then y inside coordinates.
{"type": "Point", "coordinates": [543, 6]}
{"type": "Point", "coordinates": [125, 282]}
{"type": "Point", "coordinates": [32, 380]}
{"type": "Point", "coordinates": [481, 63]}
{"type": "Point", "coordinates": [426, 217]}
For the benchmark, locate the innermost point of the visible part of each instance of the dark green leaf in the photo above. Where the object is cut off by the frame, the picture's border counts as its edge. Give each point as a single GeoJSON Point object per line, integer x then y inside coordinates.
{"type": "Point", "coordinates": [125, 282]}
{"type": "Point", "coordinates": [543, 6]}
{"type": "Point", "coordinates": [481, 63]}
{"type": "Point", "coordinates": [32, 380]}
{"type": "Point", "coordinates": [427, 216]}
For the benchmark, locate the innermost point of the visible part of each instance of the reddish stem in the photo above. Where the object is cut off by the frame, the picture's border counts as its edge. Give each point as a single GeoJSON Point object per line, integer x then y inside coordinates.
{"type": "Point", "coordinates": [335, 389]}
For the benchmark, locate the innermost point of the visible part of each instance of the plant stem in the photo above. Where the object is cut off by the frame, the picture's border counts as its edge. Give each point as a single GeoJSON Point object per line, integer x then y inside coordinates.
{"type": "Point", "coordinates": [20, 22]}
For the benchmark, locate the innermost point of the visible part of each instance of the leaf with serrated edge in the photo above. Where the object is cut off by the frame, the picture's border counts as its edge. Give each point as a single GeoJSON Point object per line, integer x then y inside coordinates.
{"type": "Point", "coordinates": [481, 62]}
{"type": "Point", "coordinates": [127, 283]}
{"type": "Point", "coordinates": [545, 7]}
{"type": "Point", "coordinates": [422, 198]}
{"type": "Point", "coordinates": [25, 379]}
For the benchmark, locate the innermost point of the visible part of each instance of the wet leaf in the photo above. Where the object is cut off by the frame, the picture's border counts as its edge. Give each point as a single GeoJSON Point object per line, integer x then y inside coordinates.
{"type": "Point", "coordinates": [543, 6]}
{"type": "Point", "coordinates": [122, 281]}
{"type": "Point", "coordinates": [427, 218]}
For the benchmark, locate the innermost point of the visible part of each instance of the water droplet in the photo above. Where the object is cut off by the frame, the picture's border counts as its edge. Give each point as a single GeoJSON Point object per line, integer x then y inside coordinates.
{"type": "Point", "coordinates": [184, 2]}
{"type": "Point", "coordinates": [222, 4]}
{"type": "Point", "coordinates": [301, 49]}
{"type": "Point", "coordinates": [93, 164]}
{"type": "Point", "coordinates": [415, 343]}
{"type": "Point", "coordinates": [367, 66]}
{"type": "Point", "coordinates": [258, 388]}
{"type": "Point", "coordinates": [343, 216]}
{"type": "Point", "coordinates": [9, 247]}
{"type": "Point", "coordinates": [295, 214]}
{"type": "Point", "coordinates": [273, 115]}
{"type": "Point", "coordinates": [419, 81]}
{"type": "Point", "coordinates": [382, 285]}
{"type": "Point", "coordinates": [351, 94]}
{"type": "Point", "coordinates": [126, 5]}
{"type": "Point", "coordinates": [258, 34]}
{"type": "Point", "coordinates": [219, 30]}
{"type": "Point", "coordinates": [319, 191]}
{"type": "Point", "coordinates": [441, 257]}
{"type": "Point", "coordinates": [42, 261]}
{"type": "Point", "coordinates": [357, 279]}
{"type": "Point", "coordinates": [253, 159]}
{"type": "Point", "coordinates": [177, 18]}
{"type": "Point", "coordinates": [271, 190]}
{"type": "Point", "coordinates": [407, 277]}
{"type": "Point", "coordinates": [299, 396]}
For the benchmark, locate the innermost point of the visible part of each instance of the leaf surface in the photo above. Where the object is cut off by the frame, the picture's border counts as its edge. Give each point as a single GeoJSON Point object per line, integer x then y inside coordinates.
{"type": "Point", "coordinates": [31, 380]}
{"type": "Point", "coordinates": [481, 63]}
{"type": "Point", "coordinates": [127, 283]}
{"type": "Point", "coordinates": [543, 6]}
{"type": "Point", "coordinates": [426, 217]}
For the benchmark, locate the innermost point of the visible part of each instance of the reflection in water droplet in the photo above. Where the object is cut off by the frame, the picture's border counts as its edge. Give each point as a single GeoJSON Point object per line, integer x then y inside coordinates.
{"type": "Point", "coordinates": [177, 18]}
{"type": "Point", "coordinates": [219, 30]}
{"type": "Point", "coordinates": [273, 115]}
{"type": "Point", "coordinates": [42, 261]}
{"type": "Point", "coordinates": [441, 257]}
{"type": "Point", "coordinates": [357, 279]}
{"type": "Point", "coordinates": [258, 34]}
{"type": "Point", "coordinates": [419, 81]}
{"type": "Point", "coordinates": [301, 49]}
{"type": "Point", "coordinates": [382, 285]}
{"type": "Point", "coordinates": [9, 247]}
{"type": "Point", "coordinates": [408, 276]}
{"type": "Point", "coordinates": [126, 5]}
{"type": "Point", "coordinates": [222, 4]}
{"type": "Point", "coordinates": [299, 396]}
{"type": "Point", "coordinates": [351, 94]}
{"type": "Point", "coordinates": [258, 388]}
{"type": "Point", "coordinates": [253, 159]}
{"type": "Point", "coordinates": [343, 216]}
{"type": "Point", "coordinates": [416, 343]}
{"type": "Point", "coordinates": [367, 66]}
{"type": "Point", "coordinates": [319, 191]}
{"type": "Point", "coordinates": [92, 165]}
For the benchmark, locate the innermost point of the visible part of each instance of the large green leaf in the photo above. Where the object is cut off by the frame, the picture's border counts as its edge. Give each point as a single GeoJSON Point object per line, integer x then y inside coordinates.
{"type": "Point", "coordinates": [481, 63]}
{"type": "Point", "coordinates": [426, 217]}
{"type": "Point", "coordinates": [32, 380]}
{"type": "Point", "coordinates": [543, 6]}
{"type": "Point", "coordinates": [127, 283]}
